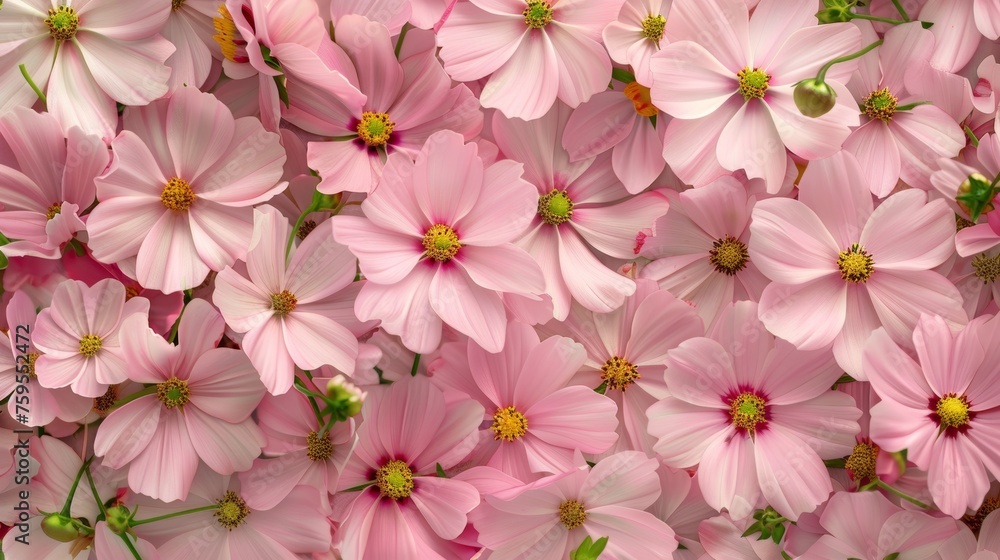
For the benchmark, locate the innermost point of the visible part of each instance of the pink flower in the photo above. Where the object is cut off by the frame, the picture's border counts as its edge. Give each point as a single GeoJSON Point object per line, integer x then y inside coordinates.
{"type": "Point", "coordinates": [297, 452]}
{"type": "Point", "coordinates": [948, 180]}
{"type": "Point", "coordinates": [277, 41]}
{"type": "Point", "coordinates": [235, 529]}
{"type": "Point", "coordinates": [626, 349]}
{"type": "Point", "coordinates": [531, 53]}
{"type": "Point", "coordinates": [722, 537]}
{"type": "Point", "coordinates": [52, 183]}
{"type": "Point", "coordinates": [894, 144]}
{"type": "Point", "coordinates": [866, 526]}
{"type": "Point", "coordinates": [841, 269]}
{"type": "Point", "coordinates": [537, 418]}
{"type": "Point", "coordinates": [84, 56]}
{"type": "Point", "coordinates": [43, 405]}
{"type": "Point", "coordinates": [732, 96]}
{"type": "Point", "coordinates": [623, 122]}
{"type": "Point", "coordinates": [406, 510]}
{"type": "Point", "coordinates": [943, 407]}
{"type": "Point", "coordinates": [583, 214]}
{"type": "Point", "coordinates": [189, 28]}
{"type": "Point", "coordinates": [435, 244]}
{"type": "Point", "coordinates": [79, 335]}
{"type": "Point", "coordinates": [200, 410]}
{"type": "Point", "coordinates": [292, 313]}
{"type": "Point", "coordinates": [700, 251]}
{"type": "Point", "coordinates": [175, 202]}
{"type": "Point", "coordinates": [741, 404]}
{"type": "Point", "coordinates": [637, 35]}
{"type": "Point", "coordinates": [549, 518]}
{"type": "Point", "coordinates": [407, 101]}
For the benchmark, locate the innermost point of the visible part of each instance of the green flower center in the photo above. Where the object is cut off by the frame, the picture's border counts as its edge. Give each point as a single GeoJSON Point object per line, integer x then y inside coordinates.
{"type": "Point", "coordinates": [572, 514]}
{"type": "Point", "coordinates": [880, 104]}
{"type": "Point", "coordinates": [728, 255]}
{"type": "Point", "coordinates": [283, 303]}
{"type": "Point", "coordinates": [555, 207]}
{"type": "Point", "coordinates": [394, 480]}
{"type": "Point", "coordinates": [861, 462]}
{"type": "Point", "coordinates": [177, 195]}
{"type": "Point", "coordinates": [173, 392]}
{"type": "Point", "coordinates": [855, 264]}
{"type": "Point", "coordinates": [953, 411]}
{"type": "Point", "coordinates": [375, 128]}
{"type": "Point", "coordinates": [538, 14]}
{"type": "Point", "coordinates": [619, 373]}
{"type": "Point", "coordinates": [753, 83]}
{"type": "Point", "coordinates": [232, 510]}
{"type": "Point", "coordinates": [318, 447]}
{"type": "Point", "coordinates": [652, 27]}
{"type": "Point", "coordinates": [62, 23]}
{"type": "Point", "coordinates": [90, 345]}
{"type": "Point", "coordinates": [509, 424]}
{"type": "Point", "coordinates": [441, 243]}
{"type": "Point", "coordinates": [747, 411]}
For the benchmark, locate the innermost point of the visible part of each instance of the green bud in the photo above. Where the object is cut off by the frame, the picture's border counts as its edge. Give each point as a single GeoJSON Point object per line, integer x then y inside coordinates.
{"type": "Point", "coordinates": [118, 519]}
{"type": "Point", "coordinates": [814, 98]}
{"type": "Point", "coordinates": [345, 396]}
{"type": "Point", "coordinates": [324, 202]}
{"type": "Point", "coordinates": [60, 528]}
{"type": "Point", "coordinates": [975, 195]}
{"type": "Point", "coordinates": [833, 15]}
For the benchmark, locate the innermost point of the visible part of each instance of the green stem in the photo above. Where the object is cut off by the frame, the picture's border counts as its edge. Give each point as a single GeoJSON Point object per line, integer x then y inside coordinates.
{"type": "Point", "coordinates": [125, 400]}
{"type": "Point", "coordinates": [911, 499]}
{"type": "Point", "coordinates": [399, 41]}
{"type": "Point", "coordinates": [910, 106]}
{"type": "Point", "coordinates": [972, 137]}
{"type": "Point", "coordinates": [97, 496]}
{"type": "Point", "coordinates": [622, 76]}
{"type": "Point", "coordinates": [876, 18]}
{"type": "Point", "coordinates": [416, 364]}
{"type": "Point", "coordinates": [27, 78]}
{"type": "Point", "coordinates": [72, 489]}
{"type": "Point", "coordinates": [301, 387]}
{"type": "Point", "coordinates": [826, 67]}
{"type": "Point", "coordinates": [131, 547]}
{"type": "Point", "coordinates": [902, 12]}
{"type": "Point", "coordinates": [358, 487]}
{"type": "Point", "coordinates": [295, 229]}
{"type": "Point", "coordinates": [172, 515]}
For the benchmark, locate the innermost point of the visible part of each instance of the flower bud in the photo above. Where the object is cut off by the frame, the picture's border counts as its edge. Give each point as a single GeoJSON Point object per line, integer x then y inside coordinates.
{"type": "Point", "coordinates": [118, 519]}
{"type": "Point", "coordinates": [346, 395]}
{"type": "Point", "coordinates": [975, 195]}
{"type": "Point", "coordinates": [59, 528]}
{"type": "Point", "coordinates": [834, 15]}
{"type": "Point", "coordinates": [814, 98]}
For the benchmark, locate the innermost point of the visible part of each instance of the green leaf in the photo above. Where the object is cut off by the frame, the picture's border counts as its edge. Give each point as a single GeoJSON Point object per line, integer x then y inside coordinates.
{"type": "Point", "coordinates": [779, 532]}
{"type": "Point", "coordinates": [756, 527]}
{"type": "Point", "coordinates": [601, 388]}
{"type": "Point", "coordinates": [926, 24]}
{"type": "Point", "coordinates": [440, 471]}
{"type": "Point", "coordinates": [892, 556]}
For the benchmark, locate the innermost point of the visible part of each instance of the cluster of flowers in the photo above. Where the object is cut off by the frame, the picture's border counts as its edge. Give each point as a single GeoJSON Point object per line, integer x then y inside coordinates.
{"type": "Point", "coordinates": [536, 279]}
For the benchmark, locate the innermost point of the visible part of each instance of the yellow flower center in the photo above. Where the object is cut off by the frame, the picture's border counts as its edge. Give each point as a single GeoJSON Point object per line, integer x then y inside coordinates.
{"type": "Point", "coordinates": [753, 83]}
{"type": "Point", "coordinates": [53, 211]}
{"type": "Point", "coordinates": [728, 255]}
{"type": "Point", "coordinates": [173, 392]}
{"type": "Point", "coordinates": [375, 128]}
{"type": "Point", "coordinates": [441, 243]}
{"type": "Point", "coordinates": [228, 37]}
{"type": "Point", "coordinates": [880, 104]}
{"type": "Point", "coordinates": [538, 14]}
{"type": "Point", "coordinates": [861, 462]}
{"type": "Point", "coordinates": [952, 411]}
{"type": "Point", "coordinates": [747, 411]}
{"type": "Point", "coordinates": [283, 303]}
{"type": "Point", "coordinates": [394, 480]}
{"type": "Point", "coordinates": [652, 27]}
{"type": "Point", "coordinates": [232, 510]}
{"type": "Point", "coordinates": [619, 373]}
{"type": "Point", "coordinates": [176, 4]}
{"type": "Point", "coordinates": [318, 447]}
{"type": "Point", "coordinates": [90, 345]}
{"type": "Point", "coordinates": [638, 94]}
{"type": "Point", "coordinates": [29, 365]}
{"type": "Point", "coordinates": [555, 207]}
{"type": "Point", "coordinates": [509, 424]}
{"type": "Point", "coordinates": [572, 514]}
{"type": "Point", "coordinates": [62, 23]}
{"type": "Point", "coordinates": [855, 264]}
{"type": "Point", "coordinates": [103, 403]}
{"type": "Point", "coordinates": [987, 268]}
{"type": "Point", "coordinates": [177, 195]}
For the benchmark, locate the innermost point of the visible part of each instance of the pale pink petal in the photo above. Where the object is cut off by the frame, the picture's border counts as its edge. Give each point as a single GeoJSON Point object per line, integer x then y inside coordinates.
{"type": "Point", "coordinates": [167, 259]}
{"type": "Point", "coordinates": [612, 229]}
{"type": "Point", "coordinates": [574, 418]}
{"type": "Point", "coordinates": [700, 372]}
{"type": "Point", "coordinates": [545, 369]}
{"type": "Point", "coordinates": [343, 166]}
{"type": "Point", "coordinates": [808, 315]}
{"type": "Point", "coordinates": [803, 51]}
{"type": "Point", "coordinates": [727, 475]}
{"type": "Point", "coordinates": [266, 347]}
{"type": "Point", "coordinates": [956, 477]}
{"type": "Point", "coordinates": [635, 534]}
{"type": "Point", "coordinates": [320, 267]}
{"type": "Point", "coordinates": [779, 224]}
{"type": "Point", "coordinates": [685, 431]}
{"type": "Point", "coordinates": [131, 73]}
{"type": "Point", "coordinates": [907, 233]}
{"type": "Point", "coordinates": [504, 268]}
{"type": "Point", "coordinates": [690, 145]}
{"type": "Point", "coordinates": [609, 112]}
{"type": "Point", "coordinates": [165, 469]}
{"type": "Point", "coordinates": [740, 145]}
{"type": "Point", "coordinates": [314, 340]}
{"type": "Point", "coordinates": [637, 161]}
{"type": "Point", "coordinates": [875, 147]}
{"type": "Point", "coordinates": [771, 27]}
{"type": "Point", "coordinates": [447, 178]}
{"type": "Point", "coordinates": [794, 486]}
{"type": "Point", "coordinates": [506, 91]}
{"type": "Point", "coordinates": [74, 97]}
{"type": "Point", "coordinates": [225, 447]}
{"type": "Point", "coordinates": [475, 43]}
{"type": "Point", "coordinates": [895, 427]}
{"type": "Point", "coordinates": [220, 233]}
{"type": "Point", "coordinates": [592, 284]}
{"type": "Point", "coordinates": [255, 179]}
{"type": "Point", "coordinates": [468, 308]}
{"type": "Point", "coordinates": [583, 63]}
{"type": "Point", "coordinates": [386, 257]}
{"type": "Point", "coordinates": [688, 82]}
{"type": "Point", "coordinates": [190, 110]}
{"type": "Point", "coordinates": [726, 20]}
{"type": "Point", "coordinates": [404, 309]}
{"type": "Point", "coordinates": [127, 431]}
{"type": "Point", "coordinates": [924, 129]}
{"type": "Point", "coordinates": [642, 490]}
{"type": "Point", "coordinates": [444, 504]}
{"type": "Point", "coordinates": [505, 208]}
{"type": "Point", "coordinates": [265, 257]}
{"type": "Point", "coordinates": [660, 323]}
{"type": "Point", "coordinates": [900, 297]}
{"type": "Point", "coordinates": [859, 323]}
